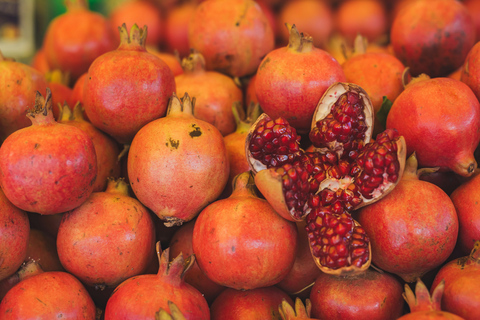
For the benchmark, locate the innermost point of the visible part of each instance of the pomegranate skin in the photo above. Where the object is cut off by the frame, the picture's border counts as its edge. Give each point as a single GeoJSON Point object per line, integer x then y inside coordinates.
{"type": "Point", "coordinates": [14, 234]}
{"type": "Point", "coordinates": [466, 201]}
{"type": "Point", "coordinates": [48, 295]}
{"type": "Point", "coordinates": [370, 295]}
{"type": "Point", "coordinates": [470, 71]}
{"type": "Point", "coordinates": [56, 162]}
{"type": "Point", "coordinates": [233, 36]}
{"type": "Point", "coordinates": [19, 84]}
{"type": "Point", "coordinates": [446, 115]}
{"type": "Point", "coordinates": [108, 239]}
{"type": "Point", "coordinates": [255, 304]}
{"type": "Point", "coordinates": [176, 28]}
{"type": "Point", "coordinates": [291, 80]}
{"type": "Point", "coordinates": [232, 232]}
{"type": "Point", "coordinates": [42, 248]}
{"type": "Point", "coordinates": [432, 37]}
{"type": "Point", "coordinates": [413, 229]}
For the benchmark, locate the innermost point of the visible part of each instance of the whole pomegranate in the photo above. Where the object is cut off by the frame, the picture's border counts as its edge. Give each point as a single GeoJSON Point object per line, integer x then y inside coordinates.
{"type": "Point", "coordinates": [178, 164]}
{"type": "Point", "coordinates": [233, 36]}
{"type": "Point", "coordinates": [413, 229]}
{"type": "Point", "coordinates": [470, 71]}
{"type": "Point", "coordinates": [108, 239]}
{"type": "Point", "coordinates": [48, 295]}
{"type": "Point", "coordinates": [20, 82]}
{"type": "Point", "coordinates": [462, 279]}
{"type": "Point", "coordinates": [446, 115]}
{"type": "Point", "coordinates": [232, 232]}
{"type": "Point", "coordinates": [424, 306]}
{"type": "Point", "coordinates": [49, 167]}
{"type": "Point", "coordinates": [214, 92]}
{"type": "Point", "coordinates": [432, 37]}
{"type": "Point", "coordinates": [128, 87]}
{"type": "Point", "coordinates": [14, 234]}
{"type": "Point", "coordinates": [74, 39]}
{"type": "Point", "coordinates": [140, 297]}
{"type": "Point", "coordinates": [254, 304]}
{"type": "Point", "coordinates": [291, 80]}
{"type": "Point", "coordinates": [370, 295]}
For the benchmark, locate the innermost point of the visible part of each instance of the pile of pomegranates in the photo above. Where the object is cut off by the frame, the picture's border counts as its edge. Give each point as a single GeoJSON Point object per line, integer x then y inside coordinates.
{"type": "Point", "coordinates": [244, 159]}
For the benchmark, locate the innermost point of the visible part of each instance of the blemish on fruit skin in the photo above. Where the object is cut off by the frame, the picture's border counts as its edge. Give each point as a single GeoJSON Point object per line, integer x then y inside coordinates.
{"type": "Point", "coordinates": [173, 143]}
{"type": "Point", "coordinates": [264, 63]}
{"type": "Point", "coordinates": [197, 132]}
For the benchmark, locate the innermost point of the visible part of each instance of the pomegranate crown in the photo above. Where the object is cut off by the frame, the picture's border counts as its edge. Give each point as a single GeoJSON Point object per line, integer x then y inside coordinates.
{"type": "Point", "coordinates": [137, 36]}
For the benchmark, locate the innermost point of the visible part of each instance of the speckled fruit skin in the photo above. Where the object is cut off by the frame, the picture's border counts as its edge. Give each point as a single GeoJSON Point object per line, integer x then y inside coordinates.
{"type": "Point", "coordinates": [432, 37]}
{"type": "Point", "coordinates": [19, 84]}
{"type": "Point", "coordinates": [255, 304]}
{"type": "Point", "coordinates": [412, 230]}
{"type": "Point", "coordinates": [466, 199]}
{"type": "Point", "coordinates": [75, 38]}
{"type": "Point", "coordinates": [470, 71]}
{"type": "Point", "coordinates": [127, 88]}
{"type": "Point", "coordinates": [440, 120]}
{"type": "Point", "coordinates": [48, 295]}
{"type": "Point", "coordinates": [370, 295]}
{"type": "Point", "coordinates": [14, 233]}
{"type": "Point", "coordinates": [244, 233]}
{"type": "Point", "coordinates": [108, 239]}
{"type": "Point", "coordinates": [233, 36]}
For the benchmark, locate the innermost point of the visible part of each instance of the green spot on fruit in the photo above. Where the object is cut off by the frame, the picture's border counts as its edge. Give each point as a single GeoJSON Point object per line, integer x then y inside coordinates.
{"type": "Point", "coordinates": [197, 132]}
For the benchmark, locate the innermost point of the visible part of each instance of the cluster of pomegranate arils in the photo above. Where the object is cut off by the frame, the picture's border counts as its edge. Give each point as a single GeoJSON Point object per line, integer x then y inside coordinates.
{"type": "Point", "coordinates": [342, 172]}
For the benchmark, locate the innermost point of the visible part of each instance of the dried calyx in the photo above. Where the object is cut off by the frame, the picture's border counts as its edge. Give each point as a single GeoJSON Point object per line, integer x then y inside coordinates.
{"type": "Point", "coordinates": [345, 171]}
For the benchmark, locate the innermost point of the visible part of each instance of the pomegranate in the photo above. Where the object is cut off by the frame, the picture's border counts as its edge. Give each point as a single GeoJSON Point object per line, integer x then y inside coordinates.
{"type": "Point", "coordinates": [214, 92]}
{"type": "Point", "coordinates": [171, 59]}
{"type": "Point", "coordinates": [446, 114]}
{"type": "Point", "coordinates": [27, 269]}
{"type": "Point", "coordinates": [181, 242]}
{"type": "Point", "coordinates": [465, 199]}
{"type": "Point", "coordinates": [368, 295]}
{"type": "Point", "coordinates": [314, 18]}
{"type": "Point", "coordinates": [74, 39]}
{"type": "Point", "coordinates": [413, 229]}
{"type": "Point", "coordinates": [48, 295]}
{"type": "Point", "coordinates": [474, 8]}
{"type": "Point", "coordinates": [232, 232]}
{"type": "Point", "coordinates": [106, 148]}
{"type": "Point", "coordinates": [250, 95]}
{"type": "Point", "coordinates": [290, 80]}
{"type": "Point", "coordinates": [366, 17]}
{"type": "Point", "coordinates": [49, 167]}
{"type": "Point", "coordinates": [14, 233]}
{"type": "Point", "coordinates": [424, 306]}
{"type": "Point", "coordinates": [176, 27]}
{"type": "Point", "coordinates": [108, 239]}
{"type": "Point", "coordinates": [140, 297]}
{"type": "Point", "coordinates": [255, 304]}
{"type": "Point", "coordinates": [126, 77]}
{"type": "Point", "coordinates": [178, 164]}
{"type": "Point", "coordinates": [233, 36]}
{"type": "Point", "coordinates": [432, 37]}
{"type": "Point", "coordinates": [462, 278]}
{"type": "Point", "coordinates": [20, 82]}
{"type": "Point", "coordinates": [470, 70]}
{"type": "Point", "coordinates": [42, 248]}
{"type": "Point", "coordinates": [61, 92]}
{"type": "Point", "coordinates": [301, 311]}
{"type": "Point", "coordinates": [344, 172]}
{"type": "Point", "coordinates": [78, 89]}
{"type": "Point", "coordinates": [142, 13]}
{"type": "Point", "coordinates": [39, 61]}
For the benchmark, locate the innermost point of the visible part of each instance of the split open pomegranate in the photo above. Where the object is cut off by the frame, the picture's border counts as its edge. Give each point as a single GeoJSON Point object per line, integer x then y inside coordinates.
{"type": "Point", "coordinates": [345, 171]}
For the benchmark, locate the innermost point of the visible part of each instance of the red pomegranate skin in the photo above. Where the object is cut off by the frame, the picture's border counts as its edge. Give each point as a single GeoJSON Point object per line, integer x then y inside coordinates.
{"type": "Point", "coordinates": [20, 82]}
{"type": "Point", "coordinates": [14, 234]}
{"type": "Point", "coordinates": [466, 201]}
{"type": "Point", "coordinates": [233, 36]}
{"type": "Point", "coordinates": [470, 71]}
{"type": "Point", "coordinates": [48, 295]}
{"type": "Point", "coordinates": [462, 280]}
{"type": "Point", "coordinates": [39, 61]}
{"type": "Point", "coordinates": [176, 28]}
{"type": "Point", "coordinates": [233, 232]}
{"type": "Point", "coordinates": [48, 167]}
{"type": "Point", "coordinates": [446, 115]}
{"type": "Point", "coordinates": [74, 39]}
{"type": "Point", "coordinates": [289, 83]}
{"type": "Point", "coordinates": [413, 229]}
{"type": "Point", "coordinates": [181, 242]}
{"type": "Point", "coordinates": [108, 239]}
{"type": "Point", "coordinates": [127, 88]}
{"type": "Point", "coordinates": [42, 248]}
{"type": "Point", "coordinates": [370, 295]}
{"type": "Point", "coordinates": [432, 37]}
{"type": "Point", "coordinates": [255, 304]}
{"type": "Point", "coordinates": [172, 60]}
{"type": "Point", "coordinates": [78, 89]}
